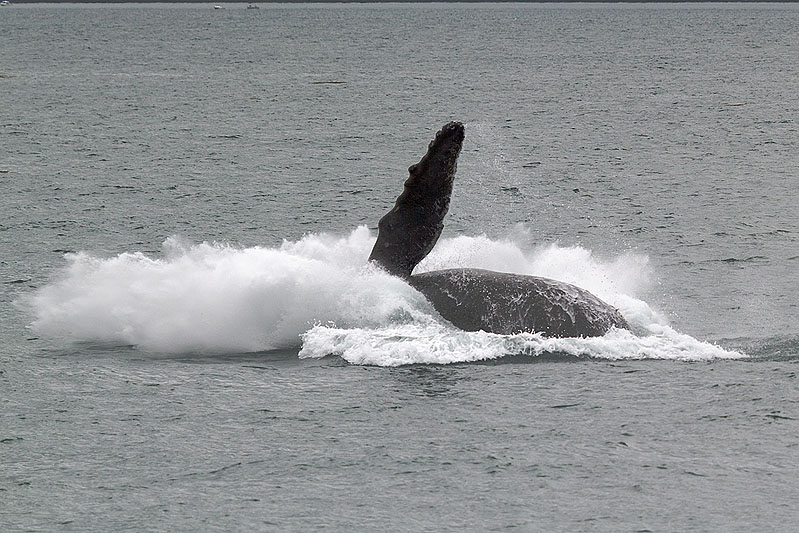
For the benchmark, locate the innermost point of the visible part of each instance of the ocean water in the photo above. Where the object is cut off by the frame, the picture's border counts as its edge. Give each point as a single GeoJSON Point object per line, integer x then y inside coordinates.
{"type": "Point", "coordinates": [192, 338]}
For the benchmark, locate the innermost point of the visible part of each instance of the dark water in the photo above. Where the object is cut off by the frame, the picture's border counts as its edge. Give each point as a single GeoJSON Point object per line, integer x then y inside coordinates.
{"type": "Point", "coordinates": [190, 340]}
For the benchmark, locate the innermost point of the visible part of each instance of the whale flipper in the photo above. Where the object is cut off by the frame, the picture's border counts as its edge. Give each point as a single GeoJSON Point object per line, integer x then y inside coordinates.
{"type": "Point", "coordinates": [408, 232]}
{"type": "Point", "coordinates": [469, 298]}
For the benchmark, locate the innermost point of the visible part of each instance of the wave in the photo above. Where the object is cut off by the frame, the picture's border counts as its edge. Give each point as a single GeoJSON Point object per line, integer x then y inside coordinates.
{"type": "Point", "coordinates": [319, 294]}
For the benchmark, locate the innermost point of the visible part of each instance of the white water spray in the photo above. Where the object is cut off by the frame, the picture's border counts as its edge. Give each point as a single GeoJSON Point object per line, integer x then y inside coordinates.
{"type": "Point", "coordinates": [321, 295]}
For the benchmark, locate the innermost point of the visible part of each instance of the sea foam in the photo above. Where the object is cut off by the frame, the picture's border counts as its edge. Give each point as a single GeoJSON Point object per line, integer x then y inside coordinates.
{"type": "Point", "coordinates": [320, 295]}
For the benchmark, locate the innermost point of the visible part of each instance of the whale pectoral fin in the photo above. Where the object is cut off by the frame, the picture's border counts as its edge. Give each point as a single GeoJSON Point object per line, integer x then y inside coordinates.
{"type": "Point", "coordinates": [408, 232]}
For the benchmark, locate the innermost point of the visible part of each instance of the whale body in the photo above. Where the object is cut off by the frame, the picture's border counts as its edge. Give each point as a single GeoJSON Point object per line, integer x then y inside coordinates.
{"type": "Point", "coordinates": [469, 298]}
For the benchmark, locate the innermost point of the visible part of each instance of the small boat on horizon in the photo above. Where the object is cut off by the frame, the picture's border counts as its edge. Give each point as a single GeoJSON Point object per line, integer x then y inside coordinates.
{"type": "Point", "coordinates": [252, 6]}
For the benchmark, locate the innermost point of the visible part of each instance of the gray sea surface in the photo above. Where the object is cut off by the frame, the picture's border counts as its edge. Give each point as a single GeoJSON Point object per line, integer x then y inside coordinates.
{"type": "Point", "coordinates": [191, 340]}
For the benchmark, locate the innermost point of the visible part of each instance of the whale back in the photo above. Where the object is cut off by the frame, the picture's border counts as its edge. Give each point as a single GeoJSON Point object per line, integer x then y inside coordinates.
{"type": "Point", "coordinates": [408, 232]}
{"type": "Point", "coordinates": [474, 299]}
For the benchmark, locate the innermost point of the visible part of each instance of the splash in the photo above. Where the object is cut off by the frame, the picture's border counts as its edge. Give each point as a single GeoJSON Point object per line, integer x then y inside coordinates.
{"type": "Point", "coordinates": [437, 344]}
{"type": "Point", "coordinates": [214, 298]}
{"type": "Point", "coordinates": [320, 294]}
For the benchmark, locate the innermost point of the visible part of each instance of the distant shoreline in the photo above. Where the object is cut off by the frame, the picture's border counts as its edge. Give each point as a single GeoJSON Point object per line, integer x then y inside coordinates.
{"type": "Point", "coordinates": [405, 2]}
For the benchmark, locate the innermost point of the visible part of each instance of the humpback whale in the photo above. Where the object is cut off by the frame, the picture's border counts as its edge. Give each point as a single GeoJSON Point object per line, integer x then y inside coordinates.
{"type": "Point", "coordinates": [469, 298]}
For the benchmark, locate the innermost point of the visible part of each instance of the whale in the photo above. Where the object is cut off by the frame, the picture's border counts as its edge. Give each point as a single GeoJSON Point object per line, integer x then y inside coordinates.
{"type": "Point", "coordinates": [474, 299]}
